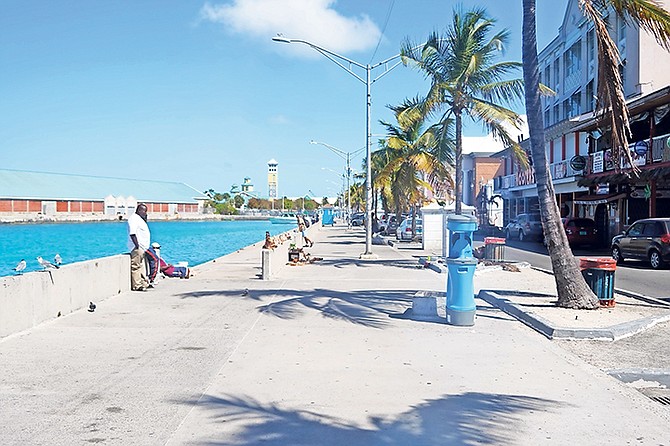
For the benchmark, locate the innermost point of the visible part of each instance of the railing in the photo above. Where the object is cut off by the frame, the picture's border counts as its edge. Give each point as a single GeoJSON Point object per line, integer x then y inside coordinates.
{"type": "Point", "coordinates": [559, 170]}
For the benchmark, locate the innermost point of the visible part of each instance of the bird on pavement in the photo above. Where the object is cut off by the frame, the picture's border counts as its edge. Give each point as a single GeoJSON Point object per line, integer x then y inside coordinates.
{"type": "Point", "coordinates": [245, 292]}
{"type": "Point", "coordinates": [20, 267]}
{"type": "Point", "coordinates": [58, 259]}
{"type": "Point", "coordinates": [47, 265]}
{"type": "Point", "coordinates": [91, 307]}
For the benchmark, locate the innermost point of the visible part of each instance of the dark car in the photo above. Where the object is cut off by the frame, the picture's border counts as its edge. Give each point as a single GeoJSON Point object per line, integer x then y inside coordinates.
{"type": "Point", "coordinates": [525, 227]}
{"type": "Point", "coordinates": [580, 231]}
{"type": "Point", "coordinates": [647, 239]}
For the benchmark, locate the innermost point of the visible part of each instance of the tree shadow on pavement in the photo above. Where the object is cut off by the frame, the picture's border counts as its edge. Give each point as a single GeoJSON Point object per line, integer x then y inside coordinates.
{"type": "Point", "coordinates": [370, 308]}
{"type": "Point", "coordinates": [468, 418]}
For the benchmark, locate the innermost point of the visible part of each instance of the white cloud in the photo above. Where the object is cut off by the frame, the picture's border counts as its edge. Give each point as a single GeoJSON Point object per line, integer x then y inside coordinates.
{"type": "Point", "coordinates": [279, 120]}
{"type": "Point", "coordinates": [313, 20]}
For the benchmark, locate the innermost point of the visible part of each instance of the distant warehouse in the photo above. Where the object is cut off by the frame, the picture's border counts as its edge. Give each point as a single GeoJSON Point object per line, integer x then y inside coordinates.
{"type": "Point", "coordinates": [25, 193]}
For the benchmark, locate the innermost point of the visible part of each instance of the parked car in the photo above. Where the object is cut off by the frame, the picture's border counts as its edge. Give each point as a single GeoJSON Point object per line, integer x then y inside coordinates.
{"type": "Point", "coordinates": [390, 226]}
{"type": "Point", "coordinates": [358, 219]}
{"type": "Point", "coordinates": [404, 230]}
{"type": "Point", "coordinates": [525, 227]}
{"type": "Point", "coordinates": [580, 231]}
{"type": "Point", "coordinates": [647, 239]}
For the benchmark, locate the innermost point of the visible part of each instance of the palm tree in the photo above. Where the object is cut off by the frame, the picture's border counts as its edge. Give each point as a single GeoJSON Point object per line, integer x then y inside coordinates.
{"type": "Point", "coordinates": [573, 292]}
{"type": "Point", "coordinates": [410, 161]}
{"type": "Point", "coordinates": [466, 82]}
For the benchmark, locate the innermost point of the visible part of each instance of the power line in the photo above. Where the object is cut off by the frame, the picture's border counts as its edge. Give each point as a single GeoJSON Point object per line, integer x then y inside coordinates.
{"type": "Point", "coordinates": [381, 36]}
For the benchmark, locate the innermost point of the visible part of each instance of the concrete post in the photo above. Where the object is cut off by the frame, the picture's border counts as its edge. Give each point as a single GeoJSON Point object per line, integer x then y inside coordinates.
{"type": "Point", "coordinates": [266, 263]}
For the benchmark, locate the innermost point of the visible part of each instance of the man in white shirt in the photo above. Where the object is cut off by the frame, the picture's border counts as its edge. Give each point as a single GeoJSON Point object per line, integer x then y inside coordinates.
{"type": "Point", "coordinates": [139, 239]}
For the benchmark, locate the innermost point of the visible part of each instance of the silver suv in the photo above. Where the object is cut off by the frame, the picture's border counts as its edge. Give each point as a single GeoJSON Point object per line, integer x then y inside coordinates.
{"type": "Point", "coordinates": [525, 227]}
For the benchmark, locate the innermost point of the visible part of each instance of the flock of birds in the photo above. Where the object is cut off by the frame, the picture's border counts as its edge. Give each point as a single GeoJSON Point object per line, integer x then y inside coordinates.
{"type": "Point", "coordinates": [48, 266]}
{"type": "Point", "coordinates": [45, 264]}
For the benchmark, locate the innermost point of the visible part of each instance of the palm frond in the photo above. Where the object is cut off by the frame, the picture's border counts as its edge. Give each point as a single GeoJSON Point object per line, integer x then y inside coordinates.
{"type": "Point", "coordinates": [612, 104]}
{"type": "Point", "coordinates": [648, 15]}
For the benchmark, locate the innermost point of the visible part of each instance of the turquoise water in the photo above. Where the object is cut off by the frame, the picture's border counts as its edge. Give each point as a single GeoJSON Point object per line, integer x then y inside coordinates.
{"type": "Point", "coordinates": [195, 242]}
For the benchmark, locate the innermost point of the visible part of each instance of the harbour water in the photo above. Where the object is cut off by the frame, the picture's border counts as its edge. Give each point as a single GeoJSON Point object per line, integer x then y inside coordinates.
{"type": "Point", "coordinates": [195, 242]}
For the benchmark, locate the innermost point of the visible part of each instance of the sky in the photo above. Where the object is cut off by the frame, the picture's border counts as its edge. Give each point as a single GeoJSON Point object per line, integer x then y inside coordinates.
{"type": "Point", "coordinates": [197, 92]}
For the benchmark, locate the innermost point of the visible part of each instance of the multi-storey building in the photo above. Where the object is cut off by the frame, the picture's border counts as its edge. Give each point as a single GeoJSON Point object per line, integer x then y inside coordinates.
{"type": "Point", "coordinates": [577, 148]}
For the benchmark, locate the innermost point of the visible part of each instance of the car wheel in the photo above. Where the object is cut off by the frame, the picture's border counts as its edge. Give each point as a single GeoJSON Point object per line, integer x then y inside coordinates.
{"type": "Point", "coordinates": [655, 259]}
{"type": "Point", "coordinates": [616, 255]}
{"type": "Point", "coordinates": [521, 236]}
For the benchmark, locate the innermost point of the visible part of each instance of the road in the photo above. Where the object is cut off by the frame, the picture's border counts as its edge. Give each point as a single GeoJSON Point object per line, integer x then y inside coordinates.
{"type": "Point", "coordinates": [637, 277]}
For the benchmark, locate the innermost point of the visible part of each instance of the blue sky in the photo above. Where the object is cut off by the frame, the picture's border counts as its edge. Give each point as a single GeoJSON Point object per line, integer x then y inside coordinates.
{"type": "Point", "coordinates": [197, 92]}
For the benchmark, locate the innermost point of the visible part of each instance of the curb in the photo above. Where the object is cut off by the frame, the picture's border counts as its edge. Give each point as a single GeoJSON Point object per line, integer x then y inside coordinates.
{"type": "Point", "coordinates": [544, 327]}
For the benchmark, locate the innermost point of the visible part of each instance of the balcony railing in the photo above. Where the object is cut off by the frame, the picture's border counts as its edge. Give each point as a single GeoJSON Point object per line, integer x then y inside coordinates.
{"type": "Point", "coordinates": [558, 171]}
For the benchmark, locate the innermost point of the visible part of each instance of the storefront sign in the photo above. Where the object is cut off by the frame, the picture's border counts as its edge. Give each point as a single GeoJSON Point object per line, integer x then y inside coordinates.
{"type": "Point", "coordinates": [598, 162]}
{"type": "Point", "coordinates": [578, 162]}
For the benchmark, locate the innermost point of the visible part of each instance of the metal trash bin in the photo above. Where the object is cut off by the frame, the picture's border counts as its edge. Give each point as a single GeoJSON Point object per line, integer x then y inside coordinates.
{"type": "Point", "coordinates": [599, 275]}
{"type": "Point", "coordinates": [494, 249]}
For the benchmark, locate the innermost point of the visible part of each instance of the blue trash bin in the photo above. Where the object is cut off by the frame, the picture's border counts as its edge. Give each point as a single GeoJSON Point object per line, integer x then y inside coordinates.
{"type": "Point", "coordinates": [461, 291]}
{"type": "Point", "coordinates": [461, 228]}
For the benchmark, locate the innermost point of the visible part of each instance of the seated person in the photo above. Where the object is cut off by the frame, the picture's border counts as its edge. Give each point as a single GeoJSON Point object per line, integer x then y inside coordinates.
{"type": "Point", "coordinates": [175, 271]}
{"type": "Point", "coordinates": [269, 241]}
{"type": "Point", "coordinates": [151, 256]}
{"type": "Point", "coordinates": [155, 261]}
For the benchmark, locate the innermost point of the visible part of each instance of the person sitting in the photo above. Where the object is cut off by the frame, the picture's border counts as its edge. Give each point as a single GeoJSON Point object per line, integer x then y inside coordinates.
{"type": "Point", "coordinates": [174, 271]}
{"type": "Point", "coordinates": [269, 242]}
{"type": "Point", "coordinates": [157, 263]}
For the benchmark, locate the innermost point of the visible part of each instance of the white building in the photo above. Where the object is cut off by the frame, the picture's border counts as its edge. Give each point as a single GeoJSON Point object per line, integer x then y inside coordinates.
{"type": "Point", "coordinates": [569, 66]}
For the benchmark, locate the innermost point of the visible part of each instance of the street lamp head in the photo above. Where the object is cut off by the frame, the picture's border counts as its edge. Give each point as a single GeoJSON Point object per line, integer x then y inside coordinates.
{"type": "Point", "coordinates": [280, 38]}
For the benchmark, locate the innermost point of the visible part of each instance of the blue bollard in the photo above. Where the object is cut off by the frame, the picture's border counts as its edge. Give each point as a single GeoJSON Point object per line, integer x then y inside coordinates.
{"type": "Point", "coordinates": [461, 291]}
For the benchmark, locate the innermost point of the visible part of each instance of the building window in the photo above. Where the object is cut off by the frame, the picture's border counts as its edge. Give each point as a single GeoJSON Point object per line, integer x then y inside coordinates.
{"type": "Point", "coordinates": [572, 59]}
{"type": "Point", "coordinates": [591, 50]}
{"type": "Point", "coordinates": [547, 117]}
{"type": "Point", "coordinates": [590, 99]}
{"type": "Point", "coordinates": [557, 72]}
{"type": "Point", "coordinates": [547, 75]}
{"type": "Point", "coordinates": [557, 112]}
{"type": "Point", "coordinates": [621, 33]}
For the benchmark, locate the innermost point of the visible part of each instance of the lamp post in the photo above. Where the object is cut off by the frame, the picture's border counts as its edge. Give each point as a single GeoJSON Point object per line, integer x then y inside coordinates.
{"type": "Point", "coordinates": [347, 157]}
{"type": "Point", "coordinates": [338, 59]}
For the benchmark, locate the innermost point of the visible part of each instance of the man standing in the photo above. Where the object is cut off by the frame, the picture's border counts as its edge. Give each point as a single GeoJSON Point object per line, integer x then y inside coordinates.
{"type": "Point", "coordinates": [139, 238]}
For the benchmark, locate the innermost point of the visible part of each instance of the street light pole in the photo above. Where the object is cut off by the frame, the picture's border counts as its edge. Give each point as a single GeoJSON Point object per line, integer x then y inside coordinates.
{"type": "Point", "coordinates": [347, 157]}
{"type": "Point", "coordinates": [368, 81]}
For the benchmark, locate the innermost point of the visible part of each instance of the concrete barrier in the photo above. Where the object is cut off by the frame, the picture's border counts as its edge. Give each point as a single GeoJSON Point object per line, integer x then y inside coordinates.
{"type": "Point", "coordinates": [273, 260]}
{"type": "Point", "coordinates": [32, 298]}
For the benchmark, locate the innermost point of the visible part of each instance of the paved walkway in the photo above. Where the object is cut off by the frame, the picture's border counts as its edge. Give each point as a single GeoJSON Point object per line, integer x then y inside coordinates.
{"type": "Point", "coordinates": [316, 357]}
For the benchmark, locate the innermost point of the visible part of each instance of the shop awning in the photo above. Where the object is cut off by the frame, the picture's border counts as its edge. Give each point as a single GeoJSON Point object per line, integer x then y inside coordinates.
{"type": "Point", "coordinates": [598, 199]}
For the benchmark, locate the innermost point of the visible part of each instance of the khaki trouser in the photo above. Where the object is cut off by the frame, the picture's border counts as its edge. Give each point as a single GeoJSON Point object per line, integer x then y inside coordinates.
{"type": "Point", "coordinates": [138, 279]}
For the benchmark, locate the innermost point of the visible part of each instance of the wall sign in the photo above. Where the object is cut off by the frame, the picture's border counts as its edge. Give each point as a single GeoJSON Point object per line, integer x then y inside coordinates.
{"type": "Point", "coordinates": [578, 162]}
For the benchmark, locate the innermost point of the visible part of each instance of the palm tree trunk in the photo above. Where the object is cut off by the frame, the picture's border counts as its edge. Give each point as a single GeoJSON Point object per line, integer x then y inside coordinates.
{"type": "Point", "coordinates": [458, 186]}
{"type": "Point", "coordinates": [573, 292]}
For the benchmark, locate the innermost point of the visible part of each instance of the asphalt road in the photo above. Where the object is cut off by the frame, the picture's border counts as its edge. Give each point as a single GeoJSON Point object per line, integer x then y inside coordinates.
{"type": "Point", "coordinates": [637, 277]}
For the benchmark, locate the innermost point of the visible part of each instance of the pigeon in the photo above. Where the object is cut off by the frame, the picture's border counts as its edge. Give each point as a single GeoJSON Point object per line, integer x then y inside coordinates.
{"type": "Point", "coordinates": [58, 260]}
{"type": "Point", "coordinates": [20, 267]}
{"type": "Point", "coordinates": [91, 307]}
{"type": "Point", "coordinates": [47, 265]}
{"type": "Point", "coordinates": [245, 292]}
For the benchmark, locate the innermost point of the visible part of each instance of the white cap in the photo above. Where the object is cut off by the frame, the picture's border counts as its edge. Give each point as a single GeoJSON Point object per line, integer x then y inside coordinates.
{"type": "Point", "coordinates": [155, 245]}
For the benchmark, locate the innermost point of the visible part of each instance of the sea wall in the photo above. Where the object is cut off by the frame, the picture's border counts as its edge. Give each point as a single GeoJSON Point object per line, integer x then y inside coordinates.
{"type": "Point", "coordinates": [32, 298]}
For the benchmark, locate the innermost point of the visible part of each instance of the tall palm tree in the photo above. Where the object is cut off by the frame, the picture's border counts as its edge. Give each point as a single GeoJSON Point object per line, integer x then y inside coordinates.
{"type": "Point", "coordinates": [467, 82]}
{"type": "Point", "coordinates": [573, 292]}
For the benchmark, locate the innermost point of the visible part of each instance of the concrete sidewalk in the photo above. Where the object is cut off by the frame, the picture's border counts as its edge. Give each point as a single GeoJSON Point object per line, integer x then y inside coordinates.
{"type": "Point", "coordinates": [316, 357]}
